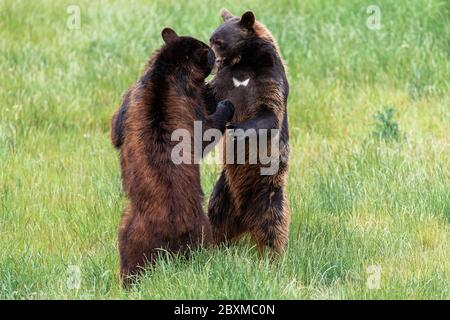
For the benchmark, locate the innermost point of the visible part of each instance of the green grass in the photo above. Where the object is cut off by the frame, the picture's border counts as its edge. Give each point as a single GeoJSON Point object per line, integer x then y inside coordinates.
{"type": "Point", "coordinates": [356, 200]}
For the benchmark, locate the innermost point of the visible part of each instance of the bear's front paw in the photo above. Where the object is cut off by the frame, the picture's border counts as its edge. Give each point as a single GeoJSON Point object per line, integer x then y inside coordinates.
{"type": "Point", "coordinates": [227, 107]}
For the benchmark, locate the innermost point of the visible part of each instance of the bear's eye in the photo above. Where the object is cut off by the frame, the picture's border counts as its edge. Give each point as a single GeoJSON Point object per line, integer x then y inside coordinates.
{"type": "Point", "coordinates": [218, 43]}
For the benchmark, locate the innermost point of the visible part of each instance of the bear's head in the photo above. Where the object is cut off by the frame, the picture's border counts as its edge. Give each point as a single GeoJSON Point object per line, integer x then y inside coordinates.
{"type": "Point", "coordinates": [187, 55]}
{"type": "Point", "coordinates": [228, 40]}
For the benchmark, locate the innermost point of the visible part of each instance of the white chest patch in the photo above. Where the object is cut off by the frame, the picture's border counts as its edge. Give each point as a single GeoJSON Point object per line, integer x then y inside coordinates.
{"type": "Point", "coordinates": [238, 83]}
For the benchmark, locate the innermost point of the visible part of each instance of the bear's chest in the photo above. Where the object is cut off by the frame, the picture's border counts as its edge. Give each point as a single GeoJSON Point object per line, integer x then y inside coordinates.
{"type": "Point", "coordinates": [240, 89]}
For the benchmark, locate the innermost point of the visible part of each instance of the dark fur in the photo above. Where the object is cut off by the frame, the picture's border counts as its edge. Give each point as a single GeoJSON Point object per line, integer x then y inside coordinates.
{"type": "Point", "coordinates": [243, 200]}
{"type": "Point", "coordinates": [165, 209]}
{"type": "Point", "coordinates": [118, 121]}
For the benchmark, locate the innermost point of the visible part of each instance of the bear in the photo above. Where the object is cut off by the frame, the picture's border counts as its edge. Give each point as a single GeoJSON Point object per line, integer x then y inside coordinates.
{"type": "Point", "coordinates": [165, 199]}
{"type": "Point", "coordinates": [252, 75]}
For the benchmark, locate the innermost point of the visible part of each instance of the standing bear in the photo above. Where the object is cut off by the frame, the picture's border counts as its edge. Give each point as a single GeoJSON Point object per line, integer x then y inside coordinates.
{"type": "Point", "coordinates": [165, 208]}
{"type": "Point", "coordinates": [252, 75]}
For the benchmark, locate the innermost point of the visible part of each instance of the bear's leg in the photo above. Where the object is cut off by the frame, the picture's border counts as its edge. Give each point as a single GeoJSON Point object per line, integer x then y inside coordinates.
{"type": "Point", "coordinates": [271, 229]}
{"type": "Point", "coordinates": [128, 267]}
{"type": "Point", "coordinates": [221, 211]}
{"type": "Point", "coordinates": [134, 252]}
{"type": "Point", "coordinates": [272, 234]}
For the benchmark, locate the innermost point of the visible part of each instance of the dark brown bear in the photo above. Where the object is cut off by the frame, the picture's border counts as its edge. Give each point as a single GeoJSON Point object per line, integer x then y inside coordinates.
{"type": "Point", "coordinates": [165, 209]}
{"type": "Point", "coordinates": [252, 76]}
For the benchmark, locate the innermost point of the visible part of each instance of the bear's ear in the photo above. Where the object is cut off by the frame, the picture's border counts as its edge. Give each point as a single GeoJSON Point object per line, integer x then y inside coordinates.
{"type": "Point", "coordinates": [248, 19]}
{"type": "Point", "coordinates": [225, 14]}
{"type": "Point", "coordinates": [168, 35]}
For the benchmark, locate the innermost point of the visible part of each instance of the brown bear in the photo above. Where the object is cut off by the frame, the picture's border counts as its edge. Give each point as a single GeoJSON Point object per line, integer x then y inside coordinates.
{"type": "Point", "coordinates": [252, 75]}
{"type": "Point", "coordinates": [165, 199]}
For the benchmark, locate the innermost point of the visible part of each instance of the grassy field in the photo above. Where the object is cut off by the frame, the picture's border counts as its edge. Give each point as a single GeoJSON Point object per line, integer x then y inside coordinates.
{"type": "Point", "coordinates": [369, 191]}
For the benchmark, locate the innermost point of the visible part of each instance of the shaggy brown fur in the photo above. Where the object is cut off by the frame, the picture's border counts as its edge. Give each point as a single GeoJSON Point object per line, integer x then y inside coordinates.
{"type": "Point", "coordinates": [165, 210]}
{"type": "Point", "coordinates": [243, 200]}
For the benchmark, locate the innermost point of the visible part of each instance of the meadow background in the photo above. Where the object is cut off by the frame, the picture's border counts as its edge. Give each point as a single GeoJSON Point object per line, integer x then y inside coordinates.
{"type": "Point", "coordinates": [369, 180]}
